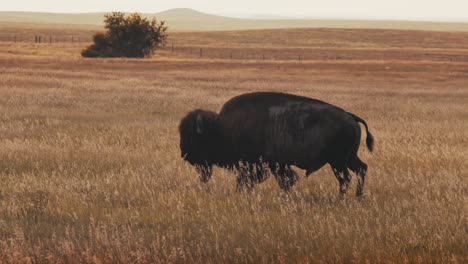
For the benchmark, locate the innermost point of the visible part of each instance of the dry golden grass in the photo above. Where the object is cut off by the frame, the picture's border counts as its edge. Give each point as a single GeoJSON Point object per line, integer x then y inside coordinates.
{"type": "Point", "coordinates": [91, 171]}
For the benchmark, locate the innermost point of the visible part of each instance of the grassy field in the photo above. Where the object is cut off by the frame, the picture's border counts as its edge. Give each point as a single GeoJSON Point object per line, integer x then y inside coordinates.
{"type": "Point", "coordinates": [90, 165]}
{"type": "Point", "coordinates": [185, 19]}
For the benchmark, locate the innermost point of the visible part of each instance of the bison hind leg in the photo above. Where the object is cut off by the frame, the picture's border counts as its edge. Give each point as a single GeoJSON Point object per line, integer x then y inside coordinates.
{"type": "Point", "coordinates": [343, 177]}
{"type": "Point", "coordinates": [360, 168]}
{"type": "Point", "coordinates": [285, 176]}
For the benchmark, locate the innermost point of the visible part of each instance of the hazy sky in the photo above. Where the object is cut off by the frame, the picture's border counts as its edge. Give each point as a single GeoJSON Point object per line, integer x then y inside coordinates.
{"type": "Point", "coordinates": [445, 10]}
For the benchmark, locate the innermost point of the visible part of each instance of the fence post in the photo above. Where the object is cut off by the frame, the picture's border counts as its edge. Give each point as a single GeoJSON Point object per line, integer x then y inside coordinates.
{"type": "Point", "coordinates": [40, 39]}
{"type": "Point", "coordinates": [263, 56]}
{"type": "Point", "coordinates": [299, 57]}
{"type": "Point", "coordinates": [201, 52]}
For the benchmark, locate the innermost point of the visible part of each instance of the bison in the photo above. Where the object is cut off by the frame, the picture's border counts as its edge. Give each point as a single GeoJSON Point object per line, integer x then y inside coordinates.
{"type": "Point", "coordinates": [259, 132]}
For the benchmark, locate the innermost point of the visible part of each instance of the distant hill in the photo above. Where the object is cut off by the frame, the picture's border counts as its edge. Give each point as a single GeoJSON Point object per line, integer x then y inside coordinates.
{"type": "Point", "coordinates": [184, 19]}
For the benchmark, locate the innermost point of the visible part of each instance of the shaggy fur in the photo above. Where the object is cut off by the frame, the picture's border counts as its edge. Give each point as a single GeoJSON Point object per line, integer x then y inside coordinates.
{"type": "Point", "coordinates": [260, 132]}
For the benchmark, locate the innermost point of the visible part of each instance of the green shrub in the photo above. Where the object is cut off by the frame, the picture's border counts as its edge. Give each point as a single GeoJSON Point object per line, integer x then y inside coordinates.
{"type": "Point", "coordinates": [132, 36]}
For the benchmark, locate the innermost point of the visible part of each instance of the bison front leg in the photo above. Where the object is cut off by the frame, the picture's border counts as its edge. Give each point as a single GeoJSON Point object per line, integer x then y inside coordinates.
{"type": "Point", "coordinates": [205, 171]}
{"type": "Point", "coordinates": [244, 183]}
{"type": "Point", "coordinates": [285, 176]}
{"type": "Point", "coordinates": [343, 177]}
{"type": "Point", "coordinates": [259, 172]}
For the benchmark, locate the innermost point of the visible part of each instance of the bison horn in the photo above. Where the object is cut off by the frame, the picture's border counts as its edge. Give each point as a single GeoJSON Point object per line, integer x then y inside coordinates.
{"type": "Point", "coordinates": [199, 124]}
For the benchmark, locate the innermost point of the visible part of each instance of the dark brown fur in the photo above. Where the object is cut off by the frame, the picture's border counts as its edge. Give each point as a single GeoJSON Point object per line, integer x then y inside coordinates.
{"type": "Point", "coordinates": [257, 132]}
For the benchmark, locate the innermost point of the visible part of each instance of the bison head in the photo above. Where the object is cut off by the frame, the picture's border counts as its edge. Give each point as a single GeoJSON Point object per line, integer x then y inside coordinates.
{"type": "Point", "coordinates": [198, 141]}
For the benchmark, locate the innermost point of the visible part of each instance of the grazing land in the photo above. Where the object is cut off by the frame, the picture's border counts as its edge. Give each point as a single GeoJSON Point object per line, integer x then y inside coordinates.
{"type": "Point", "coordinates": [90, 165]}
{"type": "Point", "coordinates": [186, 19]}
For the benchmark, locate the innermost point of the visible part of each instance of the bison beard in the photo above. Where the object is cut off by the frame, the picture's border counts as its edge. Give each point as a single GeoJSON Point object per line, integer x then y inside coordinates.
{"type": "Point", "coordinates": [258, 133]}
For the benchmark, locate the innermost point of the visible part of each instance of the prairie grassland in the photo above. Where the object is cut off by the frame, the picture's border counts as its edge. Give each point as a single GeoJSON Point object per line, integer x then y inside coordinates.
{"type": "Point", "coordinates": [325, 44]}
{"type": "Point", "coordinates": [90, 165]}
{"type": "Point", "coordinates": [184, 19]}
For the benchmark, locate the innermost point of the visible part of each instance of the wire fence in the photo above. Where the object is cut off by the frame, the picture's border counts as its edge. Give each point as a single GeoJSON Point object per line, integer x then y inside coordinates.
{"type": "Point", "coordinates": [313, 53]}
{"type": "Point", "coordinates": [234, 53]}
{"type": "Point", "coordinates": [44, 39]}
{"type": "Point", "coordinates": [194, 51]}
{"type": "Point", "coordinates": [239, 52]}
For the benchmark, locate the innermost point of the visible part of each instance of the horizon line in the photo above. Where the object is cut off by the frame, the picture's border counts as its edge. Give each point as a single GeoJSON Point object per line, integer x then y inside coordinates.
{"type": "Point", "coordinates": [259, 16]}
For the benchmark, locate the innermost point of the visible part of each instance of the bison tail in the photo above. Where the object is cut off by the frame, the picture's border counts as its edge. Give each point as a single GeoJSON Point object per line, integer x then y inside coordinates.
{"type": "Point", "coordinates": [370, 138]}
